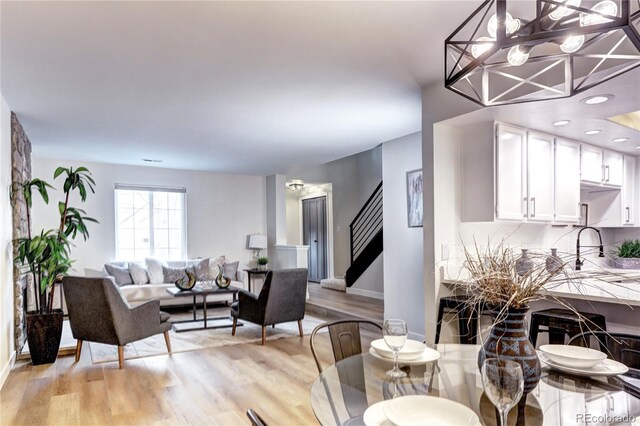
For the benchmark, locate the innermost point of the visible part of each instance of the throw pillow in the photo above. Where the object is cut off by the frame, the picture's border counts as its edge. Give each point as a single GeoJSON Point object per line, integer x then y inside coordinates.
{"type": "Point", "coordinates": [138, 273]}
{"type": "Point", "coordinates": [171, 275]}
{"type": "Point", "coordinates": [154, 269]}
{"type": "Point", "coordinates": [231, 269]}
{"type": "Point", "coordinates": [214, 265]}
{"type": "Point", "coordinates": [121, 275]}
{"type": "Point", "coordinates": [202, 268]}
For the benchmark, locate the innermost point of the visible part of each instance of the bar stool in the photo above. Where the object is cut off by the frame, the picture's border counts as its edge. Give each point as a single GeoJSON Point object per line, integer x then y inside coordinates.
{"type": "Point", "coordinates": [467, 317]}
{"type": "Point", "coordinates": [561, 322]}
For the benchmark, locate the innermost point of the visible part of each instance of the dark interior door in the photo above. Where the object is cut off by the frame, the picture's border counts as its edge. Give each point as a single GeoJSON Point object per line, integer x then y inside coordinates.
{"type": "Point", "coordinates": [314, 235]}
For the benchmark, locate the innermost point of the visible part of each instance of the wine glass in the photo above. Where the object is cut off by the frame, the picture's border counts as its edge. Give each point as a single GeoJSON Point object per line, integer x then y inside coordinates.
{"type": "Point", "coordinates": [503, 383]}
{"type": "Point", "coordinates": [395, 333]}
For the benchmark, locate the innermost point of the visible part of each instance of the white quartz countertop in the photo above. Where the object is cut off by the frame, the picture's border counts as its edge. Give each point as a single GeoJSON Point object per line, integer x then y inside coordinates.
{"type": "Point", "coordinates": [622, 286]}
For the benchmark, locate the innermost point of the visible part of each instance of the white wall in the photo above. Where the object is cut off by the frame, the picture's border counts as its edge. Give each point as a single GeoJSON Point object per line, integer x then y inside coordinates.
{"type": "Point", "coordinates": [403, 246]}
{"type": "Point", "coordinates": [7, 353]}
{"type": "Point", "coordinates": [222, 209]}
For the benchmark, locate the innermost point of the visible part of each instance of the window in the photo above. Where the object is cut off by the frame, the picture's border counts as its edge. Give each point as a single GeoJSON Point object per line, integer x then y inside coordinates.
{"type": "Point", "coordinates": [150, 222]}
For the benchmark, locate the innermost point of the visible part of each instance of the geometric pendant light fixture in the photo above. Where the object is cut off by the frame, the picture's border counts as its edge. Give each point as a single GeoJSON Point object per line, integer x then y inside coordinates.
{"type": "Point", "coordinates": [524, 51]}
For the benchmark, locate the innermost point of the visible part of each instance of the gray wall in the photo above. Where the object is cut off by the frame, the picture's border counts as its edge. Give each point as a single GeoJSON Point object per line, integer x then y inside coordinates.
{"type": "Point", "coordinates": [353, 178]}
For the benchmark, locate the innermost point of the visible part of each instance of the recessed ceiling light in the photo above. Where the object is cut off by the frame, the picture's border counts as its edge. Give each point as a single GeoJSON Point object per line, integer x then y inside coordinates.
{"type": "Point", "coordinates": [594, 100]}
{"type": "Point", "coordinates": [592, 132]}
{"type": "Point", "coordinates": [618, 140]}
{"type": "Point", "coordinates": [151, 160]}
{"type": "Point", "coordinates": [561, 122]}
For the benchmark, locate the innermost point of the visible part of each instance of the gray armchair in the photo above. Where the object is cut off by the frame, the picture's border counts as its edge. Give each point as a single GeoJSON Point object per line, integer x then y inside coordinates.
{"type": "Point", "coordinates": [98, 312]}
{"type": "Point", "coordinates": [282, 299]}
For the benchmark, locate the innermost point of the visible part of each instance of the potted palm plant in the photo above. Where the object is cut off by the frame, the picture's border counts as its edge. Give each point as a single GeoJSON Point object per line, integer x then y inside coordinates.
{"type": "Point", "coordinates": [45, 256]}
{"type": "Point", "coordinates": [262, 263]}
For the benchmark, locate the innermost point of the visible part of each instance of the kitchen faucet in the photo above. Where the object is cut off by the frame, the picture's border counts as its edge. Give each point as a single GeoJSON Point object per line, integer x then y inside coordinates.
{"type": "Point", "coordinates": [579, 262]}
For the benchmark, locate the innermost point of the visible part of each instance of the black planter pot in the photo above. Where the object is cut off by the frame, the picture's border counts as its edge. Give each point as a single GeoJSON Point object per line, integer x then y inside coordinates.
{"type": "Point", "coordinates": [44, 332]}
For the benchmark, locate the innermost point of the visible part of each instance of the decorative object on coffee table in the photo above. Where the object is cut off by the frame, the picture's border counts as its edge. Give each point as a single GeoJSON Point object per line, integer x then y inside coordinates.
{"type": "Point", "coordinates": [188, 282]}
{"type": "Point", "coordinates": [203, 293]}
{"type": "Point", "coordinates": [627, 255]}
{"type": "Point", "coordinates": [262, 263]}
{"type": "Point", "coordinates": [221, 280]}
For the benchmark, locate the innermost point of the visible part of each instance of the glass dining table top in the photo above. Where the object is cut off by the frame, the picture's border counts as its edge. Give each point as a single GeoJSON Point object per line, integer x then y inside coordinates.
{"type": "Point", "coordinates": [343, 391]}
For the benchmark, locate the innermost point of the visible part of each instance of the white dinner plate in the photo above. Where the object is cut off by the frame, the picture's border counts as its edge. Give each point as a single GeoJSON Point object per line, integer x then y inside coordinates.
{"type": "Point", "coordinates": [423, 410]}
{"type": "Point", "coordinates": [573, 356]}
{"type": "Point", "coordinates": [411, 349]}
{"type": "Point", "coordinates": [374, 415]}
{"type": "Point", "coordinates": [608, 367]}
{"type": "Point", "coordinates": [427, 355]}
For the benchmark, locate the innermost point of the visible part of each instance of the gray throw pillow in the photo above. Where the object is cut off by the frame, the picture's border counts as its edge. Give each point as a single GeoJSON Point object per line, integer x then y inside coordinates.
{"type": "Point", "coordinates": [231, 270]}
{"type": "Point", "coordinates": [121, 275]}
{"type": "Point", "coordinates": [201, 267]}
{"type": "Point", "coordinates": [171, 275]}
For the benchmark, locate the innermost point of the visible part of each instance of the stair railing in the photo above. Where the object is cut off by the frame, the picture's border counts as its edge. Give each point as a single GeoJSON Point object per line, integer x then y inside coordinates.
{"type": "Point", "coordinates": [367, 223]}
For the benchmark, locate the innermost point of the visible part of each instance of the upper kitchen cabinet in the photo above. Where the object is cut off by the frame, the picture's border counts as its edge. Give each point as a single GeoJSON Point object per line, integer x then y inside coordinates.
{"type": "Point", "coordinates": [567, 181]}
{"type": "Point", "coordinates": [540, 177]}
{"type": "Point", "coordinates": [511, 198]}
{"type": "Point", "coordinates": [601, 167]}
{"type": "Point", "coordinates": [629, 189]}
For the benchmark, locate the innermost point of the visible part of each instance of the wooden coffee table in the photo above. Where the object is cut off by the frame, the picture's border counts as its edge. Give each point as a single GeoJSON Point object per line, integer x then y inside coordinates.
{"type": "Point", "coordinates": [203, 292]}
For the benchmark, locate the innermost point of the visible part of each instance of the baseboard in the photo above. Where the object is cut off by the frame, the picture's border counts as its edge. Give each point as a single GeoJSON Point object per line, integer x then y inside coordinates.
{"type": "Point", "coordinates": [7, 369]}
{"type": "Point", "coordinates": [368, 293]}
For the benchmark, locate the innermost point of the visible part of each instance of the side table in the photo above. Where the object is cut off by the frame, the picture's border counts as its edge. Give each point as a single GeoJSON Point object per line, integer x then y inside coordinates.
{"type": "Point", "coordinates": [257, 272]}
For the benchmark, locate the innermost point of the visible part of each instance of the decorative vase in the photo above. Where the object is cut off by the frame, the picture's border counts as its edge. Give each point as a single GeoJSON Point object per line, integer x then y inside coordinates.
{"type": "Point", "coordinates": [509, 339]}
{"type": "Point", "coordinates": [221, 280]}
{"type": "Point", "coordinates": [524, 263]}
{"type": "Point", "coordinates": [554, 262]}
{"type": "Point", "coordinates": [44, 332]}
{"type": "Point", "coordinates": [188, 283]}
{"type": "Point", "coordinates": [262, 267]}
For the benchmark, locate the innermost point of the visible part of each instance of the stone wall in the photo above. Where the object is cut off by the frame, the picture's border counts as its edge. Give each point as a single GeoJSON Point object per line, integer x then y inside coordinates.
{"type": "Point", "coordinates": [21, 171]}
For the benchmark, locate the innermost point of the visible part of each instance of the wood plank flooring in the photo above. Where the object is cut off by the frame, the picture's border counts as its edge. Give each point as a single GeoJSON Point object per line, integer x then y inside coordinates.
{"type": "Point", "coordinates": [336, 303]}
{"type": "Point", "coordinates": [213, 386]}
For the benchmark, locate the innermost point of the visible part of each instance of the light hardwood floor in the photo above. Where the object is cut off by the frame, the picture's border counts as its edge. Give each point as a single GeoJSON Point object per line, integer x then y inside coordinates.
{"type": "Point", "coordinates": [337, 303]}
{"type": "Point", "coordinates": [212, 386]}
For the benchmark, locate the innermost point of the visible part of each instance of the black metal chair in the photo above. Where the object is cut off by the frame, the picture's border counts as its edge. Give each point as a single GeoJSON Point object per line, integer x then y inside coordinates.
{"type": "Point", "coordinates": [564, 322]}
{"type": "Point", "coordinates": [468, 317]}
{"type": "Point", "coordinates": [624, 348]}
{"type": "Point", "coordinates": [256, 420]}
{"type": "Point", "coordinates": [344, 336]}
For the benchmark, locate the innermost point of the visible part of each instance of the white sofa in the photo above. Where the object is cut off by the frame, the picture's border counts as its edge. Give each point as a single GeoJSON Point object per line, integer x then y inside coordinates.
{"type": "Point", "coordinates": [136, 294]}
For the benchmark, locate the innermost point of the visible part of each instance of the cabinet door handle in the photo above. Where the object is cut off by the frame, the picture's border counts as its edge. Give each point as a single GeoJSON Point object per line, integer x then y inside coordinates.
{"type": "Point", "coordinates": [526, 209]}
{"type": "Point", "coordinates": [628, 214]}
{"type": "Point", "coordinates": [533, 206]}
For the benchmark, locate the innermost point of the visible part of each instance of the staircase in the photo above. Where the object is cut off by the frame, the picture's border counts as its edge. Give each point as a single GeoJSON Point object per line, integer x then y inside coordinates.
{"type": "Point", "coordinates": [366, 236]}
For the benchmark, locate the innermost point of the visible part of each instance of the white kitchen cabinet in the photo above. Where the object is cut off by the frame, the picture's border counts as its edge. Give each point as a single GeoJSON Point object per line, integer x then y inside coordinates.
{"type": "Point", "coordinates": [540, 172]}
{"type": "Point", "coordinates": [601, 166]}
{"type": "Point", "coordinates": [591, 164]}
{"type": "Point", "coordinates": [511, 198]}
{"type": "Point", "coordinates": [629, 188]}
{"type": "Point", "coordinates": [567, 181]}
{"type": "Point", "coordinates": [613, 168]}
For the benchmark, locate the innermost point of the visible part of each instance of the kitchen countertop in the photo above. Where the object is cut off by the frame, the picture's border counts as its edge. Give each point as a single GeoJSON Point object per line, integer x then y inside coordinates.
{"type": "Point", "coordinates": [621, 287]}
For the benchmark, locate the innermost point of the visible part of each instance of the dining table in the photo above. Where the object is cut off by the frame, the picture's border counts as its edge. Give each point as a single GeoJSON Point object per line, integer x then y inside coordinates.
{"type": "Point", "coordinates": [343, 391]}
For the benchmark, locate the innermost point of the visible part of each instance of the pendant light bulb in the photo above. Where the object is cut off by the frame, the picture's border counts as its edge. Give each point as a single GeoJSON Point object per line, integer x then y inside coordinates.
{"type": "Point", "coordinates": [572, 44]}
{"type": "Point", "coordinates": [512, 25]}
{"type": "Point", "coordinates": [480, 48]}
{"type": "Point", "coordinates": [561, 11]}
{"type": "Point", "coordinates": [517, 56]}
{"type": "Point", "coordinates": [606, 7]}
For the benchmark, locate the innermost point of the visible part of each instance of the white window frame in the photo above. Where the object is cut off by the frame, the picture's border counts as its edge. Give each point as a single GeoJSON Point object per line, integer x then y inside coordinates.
{"type": "Point", "coordinates": [151, 189]}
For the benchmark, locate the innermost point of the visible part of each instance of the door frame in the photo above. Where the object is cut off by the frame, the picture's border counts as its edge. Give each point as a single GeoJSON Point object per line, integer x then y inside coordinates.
{"type": "Point", "coordinates": [329, 215]}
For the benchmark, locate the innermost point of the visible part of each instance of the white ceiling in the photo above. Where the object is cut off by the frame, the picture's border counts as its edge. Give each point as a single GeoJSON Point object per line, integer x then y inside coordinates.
{"type": "Point", "coordinates": [541, 115]}
{"type": "Point", "coordinates": [225, 86]}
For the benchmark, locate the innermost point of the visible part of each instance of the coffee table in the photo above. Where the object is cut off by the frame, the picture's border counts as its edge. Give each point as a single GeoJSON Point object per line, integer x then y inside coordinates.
{"type": "Point", "coordinates": [203, 292]}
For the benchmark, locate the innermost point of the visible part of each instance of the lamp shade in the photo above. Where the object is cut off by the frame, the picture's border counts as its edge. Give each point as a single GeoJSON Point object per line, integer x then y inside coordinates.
{"type": "Point", "coordinates": [257, 242]}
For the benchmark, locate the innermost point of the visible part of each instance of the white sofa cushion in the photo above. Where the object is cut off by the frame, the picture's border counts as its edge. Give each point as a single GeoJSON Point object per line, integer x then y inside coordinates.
{"type": "Point", "coordinates": [138, 273]}
{"type": "Point", "coordinates": [154, 269]}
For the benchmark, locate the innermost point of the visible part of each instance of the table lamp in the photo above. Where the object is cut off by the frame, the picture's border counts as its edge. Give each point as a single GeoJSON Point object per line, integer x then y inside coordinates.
{"type": "Point", "coordinates": [257, 242]}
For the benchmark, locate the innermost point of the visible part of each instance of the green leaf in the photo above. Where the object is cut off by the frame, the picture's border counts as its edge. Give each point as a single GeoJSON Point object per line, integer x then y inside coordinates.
{"type": "Point", "coordinates": [61, 207]}
{"type": "Point", "coordinates": [59, 171]}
